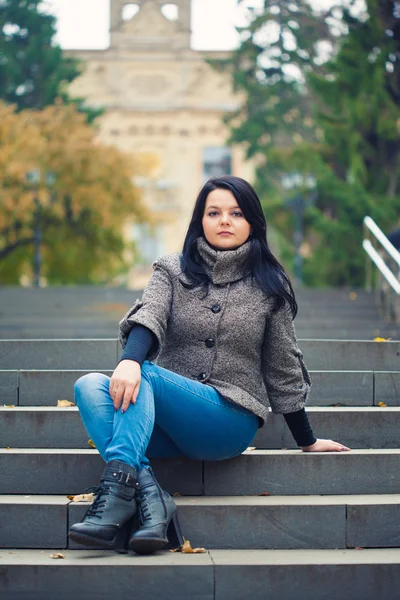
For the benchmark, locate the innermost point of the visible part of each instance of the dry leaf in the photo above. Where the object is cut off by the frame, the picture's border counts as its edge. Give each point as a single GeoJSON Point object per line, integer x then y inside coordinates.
{"type": "Point", "coordinates": [250, 448]}
{"type": "Point", "coordinates": [176, 494]}
{"type": "Point", "coordinates": [65, 403]}
{"type": "Point", "coordinates": [358, 548]}
{"type": "Point", "coordinates": [9, 405]}
{"type": "Point", "coordinates": [82, 497]}
{"type": "Point", "coordinates": [353, 295]}
{"type": "Point", "coordinates": [91, 443]}
{"type": "Point", "coordinates": [264, 494]}
{"type": "Point", "coordinates": [56, 555]}
{"type": "Point", "coordinates": [187, 549]}
{"type": "Point", "coordinates": [8, 448]}
{"type": "Point", "coordinates": [381, 404]}
{"type": "Point", "coordinates": [381, 339]}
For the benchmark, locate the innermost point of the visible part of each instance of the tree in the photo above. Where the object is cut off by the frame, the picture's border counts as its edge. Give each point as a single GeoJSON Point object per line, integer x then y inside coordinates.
{"type": "Point", "coordinates": [33, 70]}
{"type": "Point", "coordinates": [358, 100]}
{"type": "Point", "coordinates": [282, 42]}
{"type": "Point", "coordinates": [337, 120]}
{"type": "Point", "coordinates": [82, 214]}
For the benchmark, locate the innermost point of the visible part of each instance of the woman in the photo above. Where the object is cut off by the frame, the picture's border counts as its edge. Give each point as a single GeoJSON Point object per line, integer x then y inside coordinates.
{"type": "Point", "coordinates": [219, 320]}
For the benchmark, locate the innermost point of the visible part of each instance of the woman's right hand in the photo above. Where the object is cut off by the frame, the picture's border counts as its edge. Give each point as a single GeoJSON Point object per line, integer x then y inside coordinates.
{"type": "Point", "coordinates": [125, 384]}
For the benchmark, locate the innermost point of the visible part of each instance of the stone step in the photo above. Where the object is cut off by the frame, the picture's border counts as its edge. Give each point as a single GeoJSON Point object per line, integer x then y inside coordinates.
{"type": "Point", "coordinates": [214, 575]}
{"type": "Point", "coordinates": [52, 427]}
{"type": "Point", "coordinates": [350, 388]}
{"type": "Point", "coordinates": [237, 522]}
{"type": "Point", "coordinates": [278, 472]}
{"type": "Point", "coordinates": [347, 355]}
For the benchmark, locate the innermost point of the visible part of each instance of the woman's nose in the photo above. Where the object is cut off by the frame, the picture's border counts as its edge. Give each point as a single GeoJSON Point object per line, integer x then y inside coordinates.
{"type": "Point", "coordinates": [225, 219]}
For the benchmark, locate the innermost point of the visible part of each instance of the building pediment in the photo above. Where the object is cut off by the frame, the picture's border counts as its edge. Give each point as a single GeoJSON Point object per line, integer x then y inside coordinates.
{"type": "Point", "coordinates": [149, 22]}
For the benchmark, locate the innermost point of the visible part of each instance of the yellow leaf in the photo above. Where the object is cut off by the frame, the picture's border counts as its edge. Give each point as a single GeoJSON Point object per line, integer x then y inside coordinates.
{"type": "Point", "coordinates": [187, 549]}
{"type": "Point", "coordinates": [56, 555]}
{"type": "Point", "coordinates": [65, 403]}
{"type": "Point", "coordinates": [9, 405]}
{"type": "Point", "coordinates": [8, 448]}
{"type": "Point", "coordinates": [82, 497]}
{"type": "Point", "coordinates": [381, 404]}
{"type": "Point", "coordinates": [91, 443]}
{"type": "Point", "coordinates": [353, 295]}
{"type": "Point", "coordinates": [250, 448]}
{"type": "Point", "coordinates": [381, 339]}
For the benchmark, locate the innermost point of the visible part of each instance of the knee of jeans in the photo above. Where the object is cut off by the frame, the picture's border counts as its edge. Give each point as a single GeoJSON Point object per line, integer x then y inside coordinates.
{"type": "Point", "coordinates": [87, 383]}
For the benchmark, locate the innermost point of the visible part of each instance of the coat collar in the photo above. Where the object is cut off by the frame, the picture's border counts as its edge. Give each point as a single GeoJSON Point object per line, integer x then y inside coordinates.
{"type": "Point", "coordinates": [225, 266]}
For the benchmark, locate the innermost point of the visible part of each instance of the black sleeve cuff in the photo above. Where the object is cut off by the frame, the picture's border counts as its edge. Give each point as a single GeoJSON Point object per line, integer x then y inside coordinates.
{"type": "Point", "coordinates": [139, 343]}
{"type": "Point", "coordinates": [300, 427]}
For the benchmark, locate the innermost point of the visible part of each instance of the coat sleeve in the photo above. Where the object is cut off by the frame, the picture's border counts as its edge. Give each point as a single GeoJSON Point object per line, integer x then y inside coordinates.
{"type": "Point", "coordinates": [286, 377]}
{"type": "Point", "coordinates": [152, 311]}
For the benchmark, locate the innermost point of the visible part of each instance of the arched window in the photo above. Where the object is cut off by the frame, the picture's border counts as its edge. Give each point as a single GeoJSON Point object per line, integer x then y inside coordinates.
{"type": "Point", "coordinates": [170, 11]}
{"type": "Point", "coordinates": [130, 10]}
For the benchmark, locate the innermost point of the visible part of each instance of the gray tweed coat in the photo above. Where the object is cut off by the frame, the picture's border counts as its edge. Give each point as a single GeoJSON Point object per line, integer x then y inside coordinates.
{"type": "Point", "coordinates": [230, 339]}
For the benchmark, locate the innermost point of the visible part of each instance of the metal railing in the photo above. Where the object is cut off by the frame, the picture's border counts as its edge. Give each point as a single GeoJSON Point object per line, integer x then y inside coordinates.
{"type": "Point", "coordinates": [382, 254]}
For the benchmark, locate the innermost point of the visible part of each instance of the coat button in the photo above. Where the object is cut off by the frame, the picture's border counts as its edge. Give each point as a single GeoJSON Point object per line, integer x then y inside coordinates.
{"type": "Point", "coordinates": [216, 308]}
{"type": "Point", "coordinates": [210, 343]}
{"type": "Point", "coordinates": [202, 376]}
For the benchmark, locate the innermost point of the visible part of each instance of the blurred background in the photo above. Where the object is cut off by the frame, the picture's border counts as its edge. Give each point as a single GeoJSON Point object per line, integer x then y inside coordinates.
{"type": "Point", "coordinates": [113, 114]}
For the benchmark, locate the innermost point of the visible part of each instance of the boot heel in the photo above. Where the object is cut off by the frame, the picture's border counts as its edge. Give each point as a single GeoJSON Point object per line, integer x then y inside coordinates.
{"type": "Point", "coordinates": [174, 533]}
{"type": "Point", "coordinates": [122, 537]}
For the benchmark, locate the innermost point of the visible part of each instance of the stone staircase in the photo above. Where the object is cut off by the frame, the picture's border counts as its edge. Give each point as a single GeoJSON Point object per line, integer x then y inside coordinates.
{"type": "Point", "coordinates": [276, 523]}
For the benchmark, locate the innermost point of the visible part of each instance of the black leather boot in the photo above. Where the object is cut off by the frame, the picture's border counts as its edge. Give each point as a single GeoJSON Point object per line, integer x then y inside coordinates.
{"type": "Point", "coordinates": [108, 521]}
{"type": "Point", "coordinates": [159, 524]}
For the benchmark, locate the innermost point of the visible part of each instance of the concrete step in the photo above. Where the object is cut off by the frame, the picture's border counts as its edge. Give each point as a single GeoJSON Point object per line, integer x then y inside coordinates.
{"type": "Point", "coordinates": [237, 522]}
{"type": "Point", "coordinates": [215, 575]}
{"type": "Point", "coordinates": [278, 472]}
{"type": "Point", "coordinates": [350, 388]}
{"type": "Point", "coordinates": [347, 355]}
{"type": "Point", "coordinates": [52, 427]}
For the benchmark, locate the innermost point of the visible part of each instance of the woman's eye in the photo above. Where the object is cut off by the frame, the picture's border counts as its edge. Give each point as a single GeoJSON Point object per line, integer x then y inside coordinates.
{"type": "Point", "coordinates": [212, 213]}
{"type": "Point", "coordinates": [238, 214]}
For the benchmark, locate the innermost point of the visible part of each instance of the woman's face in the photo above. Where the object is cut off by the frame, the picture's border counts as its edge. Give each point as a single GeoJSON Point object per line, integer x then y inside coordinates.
{"type": "Point", "coordinates": [224, 225]}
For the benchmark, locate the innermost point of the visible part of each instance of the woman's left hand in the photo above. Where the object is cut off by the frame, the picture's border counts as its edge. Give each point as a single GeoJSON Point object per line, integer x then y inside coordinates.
{"type": "Point", "coordinates": [325, 446]}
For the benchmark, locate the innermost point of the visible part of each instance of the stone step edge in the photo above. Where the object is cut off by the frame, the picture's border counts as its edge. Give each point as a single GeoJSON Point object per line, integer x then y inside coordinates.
{"type": "Point", "coordinates": [310, 409]}
{"type": "Point", "coordinates": [231, 501]}
{"type": "Point", "coordinates": [256, 452]}
{"type": "Point", "coordinates": [90, 558]}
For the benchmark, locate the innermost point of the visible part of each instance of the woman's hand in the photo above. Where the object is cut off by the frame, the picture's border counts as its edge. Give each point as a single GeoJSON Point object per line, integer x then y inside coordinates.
{"type": "Point", "coordinates": [325, 446]}
{"type": "Point", "coordinates": [125, 384]}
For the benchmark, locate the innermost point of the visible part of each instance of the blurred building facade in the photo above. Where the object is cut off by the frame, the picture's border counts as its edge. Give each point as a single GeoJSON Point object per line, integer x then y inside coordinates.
{"type": "Point", "coordinates": [161, 98]}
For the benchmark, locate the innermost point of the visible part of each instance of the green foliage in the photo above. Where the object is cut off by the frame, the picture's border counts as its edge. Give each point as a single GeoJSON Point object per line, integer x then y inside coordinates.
{"type": "Point", "coordinates": [337, 120]}
{"type": "Point", "coordinates": [33, 70]}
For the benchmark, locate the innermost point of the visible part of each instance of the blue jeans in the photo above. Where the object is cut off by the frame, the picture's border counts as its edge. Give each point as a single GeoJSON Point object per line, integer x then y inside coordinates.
{"type": "Point", "coordinates": [172, 416]}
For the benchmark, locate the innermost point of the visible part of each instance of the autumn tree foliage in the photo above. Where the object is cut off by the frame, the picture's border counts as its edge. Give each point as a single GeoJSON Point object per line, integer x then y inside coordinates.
{"type": "Point", "coordinates": [81, 207]}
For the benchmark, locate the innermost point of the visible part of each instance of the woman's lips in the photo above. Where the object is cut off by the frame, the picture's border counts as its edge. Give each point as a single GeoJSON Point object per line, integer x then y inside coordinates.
{"type": "Point", "coordinates": [225, 233]}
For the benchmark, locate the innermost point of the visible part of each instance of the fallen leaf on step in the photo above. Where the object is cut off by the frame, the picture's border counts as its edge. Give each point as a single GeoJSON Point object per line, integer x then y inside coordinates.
{"type": "Point", "coordinates": [91, 443]}
{"type": "Point", "coordinates": [264, 494]}
{"type": "Point", "coordinates": [9, 405]}
{"type": "Point", "coordinates": [381, 404]}
{"type": "Point", "coordinates": [176, 494]}
{"type": "Point", "coordinates": [82, 498]}
{"type": "Point", "coordinates": [250, 448]}
{"type": "Point", "coordinates": [56, 555]}
{"type": "Point", "coordinates": [358, 548]}
{"type": "Point", "coordinates": [187, 549]}
{"type": "Point", "coordinates": [8, 448]}
{"type": "Point", "coordinates": [381, 339]}
{"type": "Point", "coordinates": [353, 295]}
{"type": "Point", "coordinates": [65, 403]}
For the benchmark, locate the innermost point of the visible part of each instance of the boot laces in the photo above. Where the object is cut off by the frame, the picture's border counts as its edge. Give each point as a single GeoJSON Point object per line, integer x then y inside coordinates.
{"type": "Point", "coordinates": [97, 508]}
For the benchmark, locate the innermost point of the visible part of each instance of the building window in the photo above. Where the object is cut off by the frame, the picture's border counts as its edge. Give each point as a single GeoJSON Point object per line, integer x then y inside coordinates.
{"type": "Point", "coordinates": [217, 160]}
{"type": "Point", "coordinates": [149, 242]}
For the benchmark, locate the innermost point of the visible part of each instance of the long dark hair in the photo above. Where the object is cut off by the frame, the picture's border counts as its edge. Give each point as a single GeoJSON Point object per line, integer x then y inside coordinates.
{"type": "Point", "coordinates": [265, 268]}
